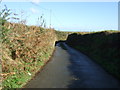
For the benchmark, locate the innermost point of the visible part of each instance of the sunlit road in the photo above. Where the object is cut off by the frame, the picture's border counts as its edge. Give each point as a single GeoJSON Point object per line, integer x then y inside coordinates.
{"type": "Point", "coordinates": [72, 69]}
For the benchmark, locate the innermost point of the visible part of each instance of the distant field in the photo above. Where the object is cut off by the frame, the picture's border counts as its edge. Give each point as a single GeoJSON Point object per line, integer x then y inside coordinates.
{"type": "Point", "coordinates": [103, 47]}
{"type": "Point", "coordinates": [61, 35]}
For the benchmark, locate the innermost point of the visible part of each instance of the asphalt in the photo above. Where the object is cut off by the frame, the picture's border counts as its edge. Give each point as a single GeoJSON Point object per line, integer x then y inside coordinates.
{"type": "Point", "coordinates": [72, 69]}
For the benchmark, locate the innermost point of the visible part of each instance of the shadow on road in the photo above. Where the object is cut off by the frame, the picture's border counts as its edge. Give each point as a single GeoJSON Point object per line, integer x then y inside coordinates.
{"type": "Point", "coordinates": [58, 42]}
{"type": "Point", "coordinates": [86, 73]}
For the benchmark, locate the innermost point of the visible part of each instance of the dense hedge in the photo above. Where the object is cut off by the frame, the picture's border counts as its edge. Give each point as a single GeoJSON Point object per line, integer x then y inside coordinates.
{"type": "Point", "coordinates": [103, 47]}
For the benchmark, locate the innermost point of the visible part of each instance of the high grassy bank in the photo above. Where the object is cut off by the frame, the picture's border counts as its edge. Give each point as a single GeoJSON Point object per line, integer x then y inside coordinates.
{"type": "Point", "coordinates": [25, 49]}
{"type": "Point", "coordinates": [103, 47]}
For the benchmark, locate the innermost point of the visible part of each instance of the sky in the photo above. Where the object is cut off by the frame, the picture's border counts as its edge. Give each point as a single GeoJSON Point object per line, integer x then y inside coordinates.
{"type": "Point", "coordinates": [69, 16]}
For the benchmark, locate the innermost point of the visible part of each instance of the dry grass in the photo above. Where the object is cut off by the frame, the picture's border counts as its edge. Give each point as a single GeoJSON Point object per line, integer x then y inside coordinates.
{"type": "Point", "coordinates": [24, 50]}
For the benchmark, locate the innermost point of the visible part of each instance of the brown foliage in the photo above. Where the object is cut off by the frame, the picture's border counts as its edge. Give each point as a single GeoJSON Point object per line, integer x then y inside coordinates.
{"type": "Point", "coordinates": [26, 45]}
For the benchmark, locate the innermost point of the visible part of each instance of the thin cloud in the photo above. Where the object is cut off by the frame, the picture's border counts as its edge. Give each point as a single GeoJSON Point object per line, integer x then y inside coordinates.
{"type": "Point", "coordinates": [35, 1]}
{"type": "Point", "coordinates": [33, 10]}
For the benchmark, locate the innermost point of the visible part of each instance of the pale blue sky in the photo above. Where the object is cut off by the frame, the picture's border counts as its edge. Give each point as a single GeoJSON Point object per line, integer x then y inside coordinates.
{"type": "Point", "coordinates": [71, 16]}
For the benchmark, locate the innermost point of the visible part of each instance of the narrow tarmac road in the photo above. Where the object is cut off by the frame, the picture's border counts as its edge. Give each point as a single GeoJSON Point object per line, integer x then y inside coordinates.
{"type": "Point", "coordinates": [72, 69]}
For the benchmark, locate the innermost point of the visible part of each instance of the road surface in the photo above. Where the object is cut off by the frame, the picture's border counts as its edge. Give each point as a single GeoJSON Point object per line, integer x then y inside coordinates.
{"type": "Point", "coordinates": [72, 69]}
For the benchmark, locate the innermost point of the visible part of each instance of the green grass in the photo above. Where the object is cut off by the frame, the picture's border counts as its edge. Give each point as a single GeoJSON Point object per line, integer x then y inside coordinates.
{"type": "Point", "coordinates": [16, 81]}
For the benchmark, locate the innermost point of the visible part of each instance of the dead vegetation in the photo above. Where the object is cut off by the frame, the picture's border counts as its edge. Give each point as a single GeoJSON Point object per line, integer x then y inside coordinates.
{"type": "Point", "coordinates": [24, 50]}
